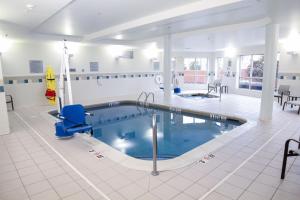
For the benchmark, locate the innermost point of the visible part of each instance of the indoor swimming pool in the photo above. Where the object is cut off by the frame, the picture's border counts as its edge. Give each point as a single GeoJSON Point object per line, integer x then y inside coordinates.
{"type": "Point", "coordinates": [127, 127]}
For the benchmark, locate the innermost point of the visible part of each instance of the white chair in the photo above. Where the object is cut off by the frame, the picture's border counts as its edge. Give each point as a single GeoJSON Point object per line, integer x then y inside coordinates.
{"type": "Point", "coordinates": [282, 90]}
{"type": "Point", "coordinates": [293, 98]}
{"type": "Point", "coordinates": [294, 93]}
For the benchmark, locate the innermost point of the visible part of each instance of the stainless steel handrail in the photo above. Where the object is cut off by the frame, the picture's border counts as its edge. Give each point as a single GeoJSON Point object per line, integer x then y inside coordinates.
{"type": "Point", "coordinates": [150, 94]}
{"type": "Point", "coordinates": [143, 92]}
{"type": "Point", "coordinates": [154, 146]}
{"type": "Point", "coordinates": [147, 95]}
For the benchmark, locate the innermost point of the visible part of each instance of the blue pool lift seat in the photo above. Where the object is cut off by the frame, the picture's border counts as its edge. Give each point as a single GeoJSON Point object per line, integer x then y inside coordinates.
{"type": "Point", "coordinates": [72, 121]}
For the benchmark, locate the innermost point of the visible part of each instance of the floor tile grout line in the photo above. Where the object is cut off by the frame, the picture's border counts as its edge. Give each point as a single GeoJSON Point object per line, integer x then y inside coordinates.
{"type": "Point", "coordinates": [113, 190]}
{"type": "Point", "coordinates": [13, 162]}
{"type": "Point", "coordinates": [287, 170]}
{"type": "Point", "coordinates": [37, 165]}
{"type": "Point", "coordinates": [63, 158]}
{"type": "Point", "coordinates": [242, 164]}
{"type": "Point", "coordinates": [260, 173]}
{"type": "Point", "coordinates": [41, 171]}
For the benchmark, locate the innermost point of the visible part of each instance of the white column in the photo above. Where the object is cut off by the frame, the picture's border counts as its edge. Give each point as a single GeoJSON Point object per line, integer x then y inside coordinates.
{"type": "Point", "coordinates": [167, 67]}
{"type": "Point", "coordinates": [4, 124]}
{"type": "Point", "coordinates": [270, 63]}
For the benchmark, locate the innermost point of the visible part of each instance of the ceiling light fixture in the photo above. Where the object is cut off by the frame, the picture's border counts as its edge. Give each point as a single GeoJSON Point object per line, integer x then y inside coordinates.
{"type": "Point", "coordinates": [152, 51]}
{"type": "Point", "coordinates": [292, 43]}
{"type": "Point", "coordinates": [5, 43]}
{"type": "Point", "coordinates": [230, 52]}
{"type": "Point", "coordinates": [119, 37]}
{"type": "Point", "coordinates": [30, 6]}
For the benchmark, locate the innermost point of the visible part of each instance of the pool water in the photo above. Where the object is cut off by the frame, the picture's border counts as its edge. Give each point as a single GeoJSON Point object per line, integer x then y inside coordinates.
{"type": "Point", "coordinates": [198, 96]}
{"type": "Point", "coordinates": [128, 128]}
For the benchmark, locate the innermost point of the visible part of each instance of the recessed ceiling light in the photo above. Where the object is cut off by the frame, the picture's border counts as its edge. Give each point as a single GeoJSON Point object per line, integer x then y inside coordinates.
{"type": "Point", "coordinates": [30, 6]}
{"type": "Point", "coordinates": [119, 37]}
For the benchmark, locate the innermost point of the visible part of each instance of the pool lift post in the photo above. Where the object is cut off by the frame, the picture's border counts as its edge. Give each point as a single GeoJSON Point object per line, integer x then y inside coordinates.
{"type": "Point", "coordinates": [154, 146]}
{"type": "Point", "coordinates": [64, 72]}
{"type": "Point", "coordinates": [220, 97]}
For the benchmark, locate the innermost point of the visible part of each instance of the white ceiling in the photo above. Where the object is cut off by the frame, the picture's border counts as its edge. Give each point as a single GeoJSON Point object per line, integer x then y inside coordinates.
{"type": "Point", "coordinates": [87, 16]}
{"type": "Point", "coordinates": [209, 42]}
{"type": "Point", "coordinates": [231, 14]}
{"type": "Point", "coordinates": [61, 18]}
{"type": "Point", "coordinates": [15, 11]}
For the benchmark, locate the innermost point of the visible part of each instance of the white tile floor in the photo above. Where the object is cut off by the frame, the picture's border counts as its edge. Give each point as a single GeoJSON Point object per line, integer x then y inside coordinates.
{"type": "Point", "coordinates": [29, 169]}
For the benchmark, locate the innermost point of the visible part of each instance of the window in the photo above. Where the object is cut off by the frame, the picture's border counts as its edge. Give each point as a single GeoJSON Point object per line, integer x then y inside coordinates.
{"type": "Point", "coordinates": [195, 70]}
{"type": "Point", "coordinates": [219, 68]}
{"type": "Point", "coordinates": [94, 66]}
{"type": "Point", "coordinates": [36, 66]}
{"type": "Point", "coordinates": [251, 72]}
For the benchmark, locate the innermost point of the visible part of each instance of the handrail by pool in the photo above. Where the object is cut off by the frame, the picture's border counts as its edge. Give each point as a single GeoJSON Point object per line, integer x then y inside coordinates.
{"type": "Point", "coordinates": [148, 95]}
{"type": "Point", "coordinates": [143, 92]}
{"type": "Point", "coordinates": [154, 145]}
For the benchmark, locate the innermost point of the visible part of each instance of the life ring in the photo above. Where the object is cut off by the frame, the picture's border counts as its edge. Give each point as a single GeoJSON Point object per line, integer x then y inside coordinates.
{"type": "Point", "coordinates": [50, 94]}
{"type": "Point", "coordinates": [158, 79]}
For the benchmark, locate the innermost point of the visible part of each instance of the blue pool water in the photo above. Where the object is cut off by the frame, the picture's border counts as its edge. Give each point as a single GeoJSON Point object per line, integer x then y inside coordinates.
{"type": "Point", "coordinates": [198, 96]}
{"type": "Point", "coordinates": [127, 128]}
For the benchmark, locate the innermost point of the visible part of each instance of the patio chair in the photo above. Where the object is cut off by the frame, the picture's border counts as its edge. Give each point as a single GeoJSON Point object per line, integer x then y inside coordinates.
{"type": "Point", "coordinates": [72, 121]}
{"type": "Point", "coordinates": [294, 94]}
{"type": "Point", "coordinates": [214, 86]}
{"type": "Point", "coordinates": [282, 90]}
{"type": "Point", "coordinates": [292, 103]}
{"type": "Point", "coordinates": [289, 153]}
{"type": "Point", "coordinates": [10, 100]}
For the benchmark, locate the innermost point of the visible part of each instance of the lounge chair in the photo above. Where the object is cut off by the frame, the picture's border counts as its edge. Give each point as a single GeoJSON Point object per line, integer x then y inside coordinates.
{"type": "Point", "coordinates": [214, 86]}
{"type": "Point", "coordinates": [292, 103]}
{"type": "Point", "coordinates": [72, 121]}
{"type": "Point", "coordinates": [289, 153]}
{"type": "Point", "coordinates": [282, 90]}
{"type": "Point", "coordinates": [294, 94]}
{"type": "Point", "coordinates": [10, 100]}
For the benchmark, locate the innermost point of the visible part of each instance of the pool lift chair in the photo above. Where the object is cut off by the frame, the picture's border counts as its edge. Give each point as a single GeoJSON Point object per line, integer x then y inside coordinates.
{"type": "Point", "coordinates": [72, 120]}
{"type": "Point", "coordinates": [289, 153]}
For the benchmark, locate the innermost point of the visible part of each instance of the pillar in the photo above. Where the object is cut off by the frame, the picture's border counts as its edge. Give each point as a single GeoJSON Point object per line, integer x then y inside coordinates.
{"type": "Point", "coordinates": [269, 72]}
{"type": "Point", "coordinates": [167, 67]}
{"type": "Point", "coordinates": [4, 124]}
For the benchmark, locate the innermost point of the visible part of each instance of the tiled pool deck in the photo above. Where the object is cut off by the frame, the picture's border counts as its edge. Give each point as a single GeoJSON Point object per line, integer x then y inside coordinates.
{"type": "Point", "coordinates": [246, 168]}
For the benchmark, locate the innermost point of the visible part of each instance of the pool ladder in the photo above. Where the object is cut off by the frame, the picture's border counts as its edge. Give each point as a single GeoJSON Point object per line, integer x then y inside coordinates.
{"type": "Point", "coordinates": [147, 96]}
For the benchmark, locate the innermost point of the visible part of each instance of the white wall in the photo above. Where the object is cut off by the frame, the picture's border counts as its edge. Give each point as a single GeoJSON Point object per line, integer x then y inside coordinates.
{"type": "Point", "coordinates": [15, 60]}
{"type": "Point", "coordinates": [4, 125]}
{"type": "Point", "coordinates": [289, 63]}
{"type": "Point", "coordinates": [16, 67]}
{"type": "Point", "coordinates": [15, 63]}
{"type": "Point", "coordinates": [289, 67]}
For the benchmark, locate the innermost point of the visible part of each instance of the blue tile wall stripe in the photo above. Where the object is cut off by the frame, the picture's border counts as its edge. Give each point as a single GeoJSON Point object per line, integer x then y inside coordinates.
{"type": "Point", "coordinates": [1, 89]}
{"type": "Point", "coordinates": [30, 79]}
